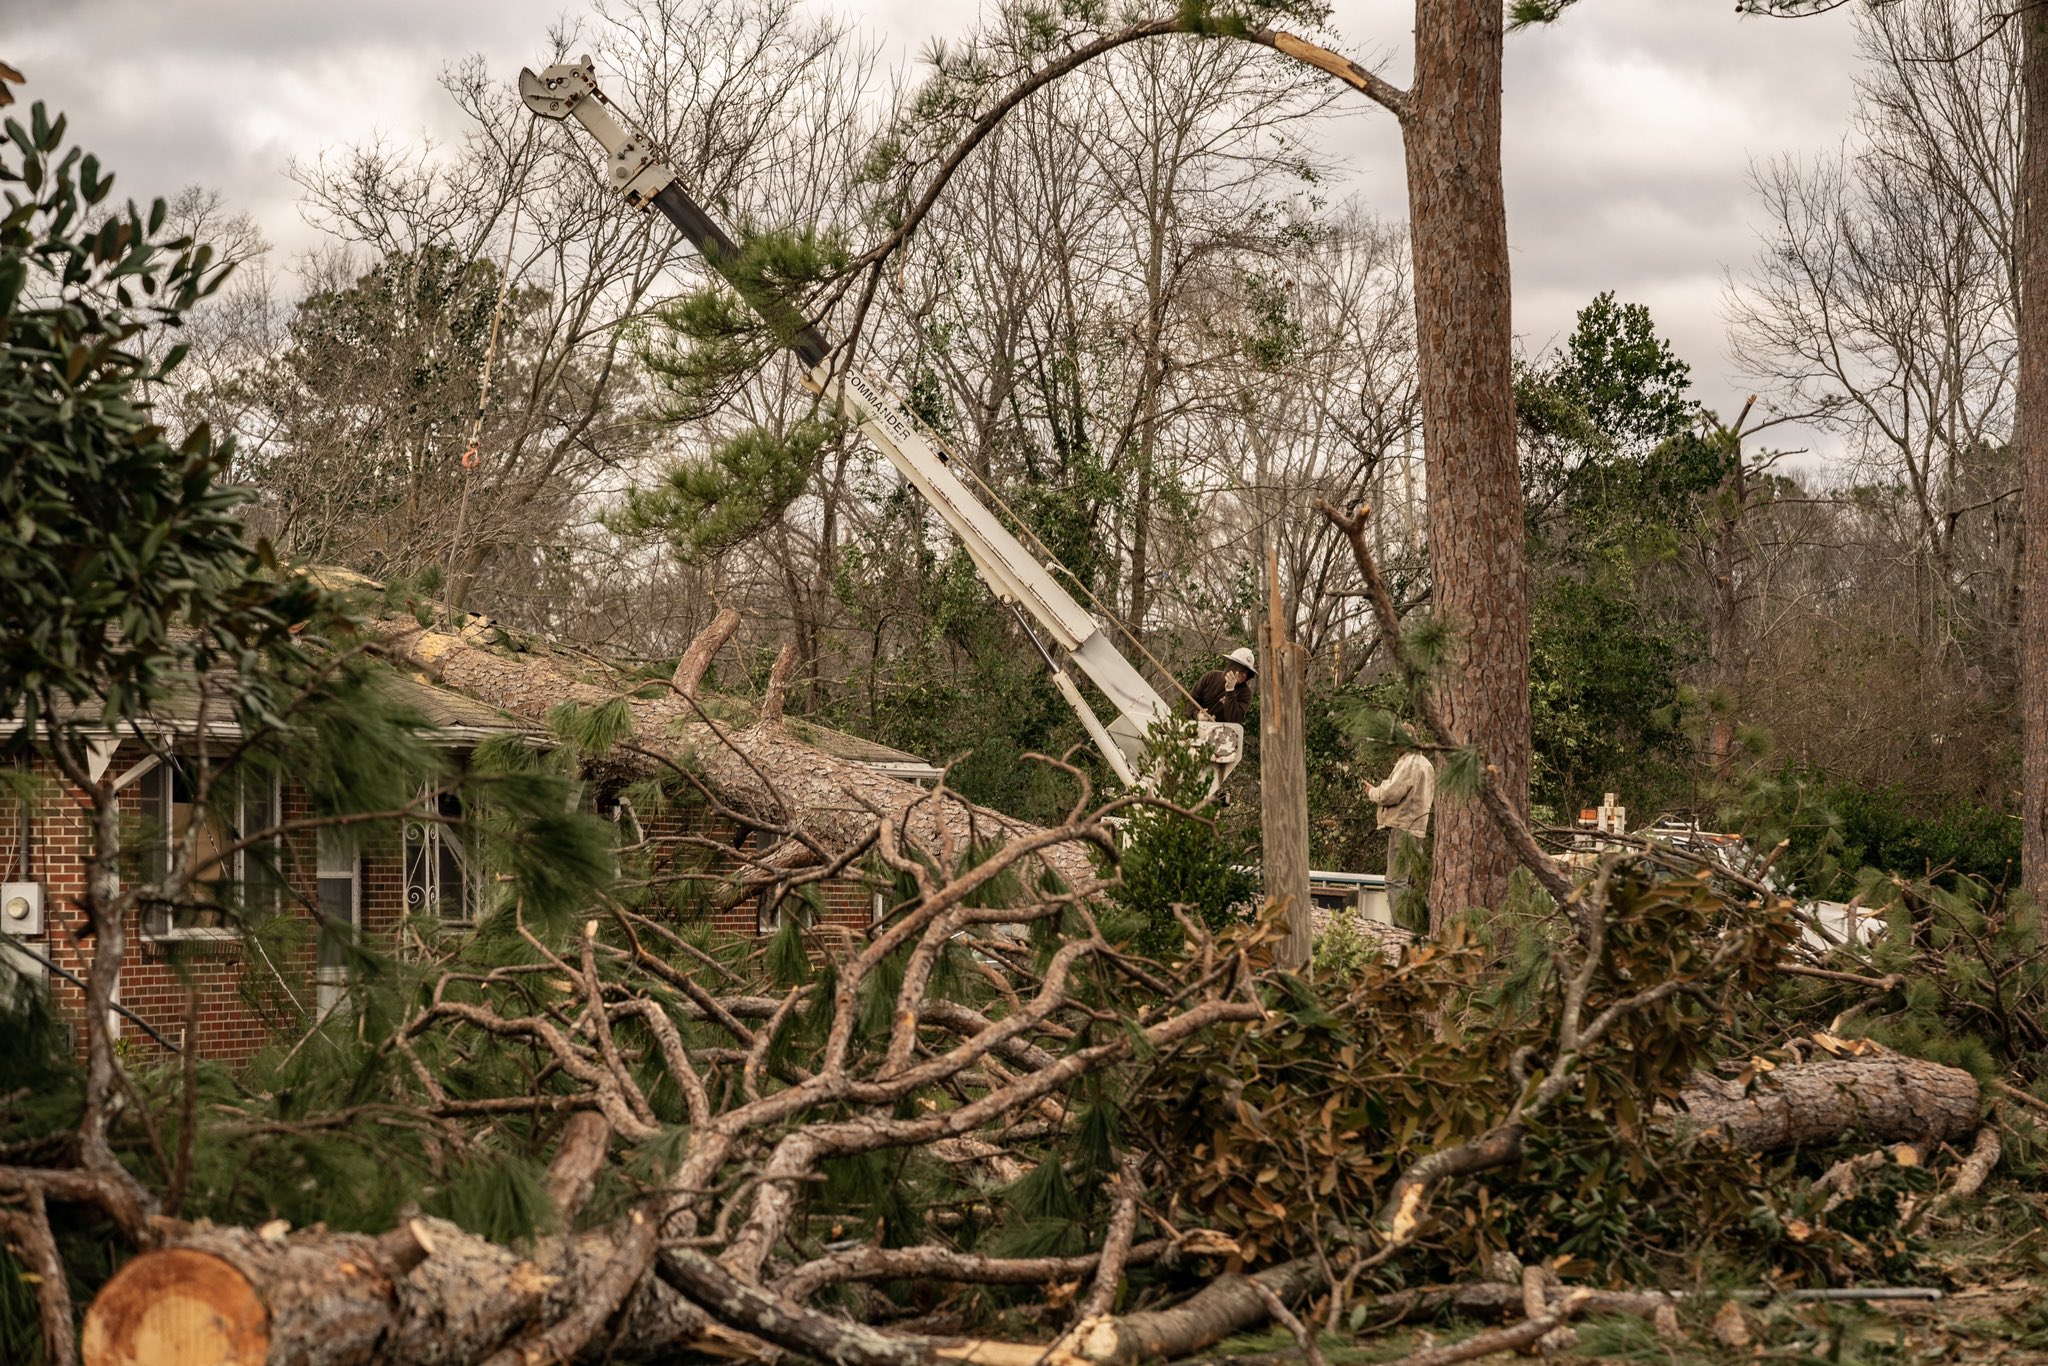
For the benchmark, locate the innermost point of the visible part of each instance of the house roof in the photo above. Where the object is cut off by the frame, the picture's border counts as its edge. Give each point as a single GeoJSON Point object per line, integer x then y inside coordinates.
{"type": "Point", "coordinates": [186, 707]}
{"type": "Point", "coordinates": [446, 709]}
{"type": "Point", "coordinates": [461, 716]}
{"type": "Point", "coordinates": [857, 749]}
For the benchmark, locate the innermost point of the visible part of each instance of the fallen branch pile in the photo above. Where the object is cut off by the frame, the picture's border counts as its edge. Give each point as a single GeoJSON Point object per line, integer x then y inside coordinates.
{"type": "Point", "coordinates": [697, 1126]}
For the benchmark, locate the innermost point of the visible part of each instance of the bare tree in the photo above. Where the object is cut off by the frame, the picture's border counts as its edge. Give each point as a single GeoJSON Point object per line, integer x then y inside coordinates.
{"type": "Point", "coordinates": [1975, 167]}
{"type": "Point", "coordinates": [1886, 299]}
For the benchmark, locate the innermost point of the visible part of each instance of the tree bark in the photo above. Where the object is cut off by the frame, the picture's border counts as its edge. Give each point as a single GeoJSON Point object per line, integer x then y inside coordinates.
{"type": "Point", "coordinates": [1283, 799]}
{"type": "Point", "coordinates": [1283, 780]}
{"type": "Point", "coordinates": [702, 650]}
{"type": "Point", "coordinates": [2030, 438]}
{"type": "Point", "coordinates": [1884, 1098]}
{"type": "Point", "coordinates": [1478, 562]}
{"type": "Point", "coordinates": [778, 686]}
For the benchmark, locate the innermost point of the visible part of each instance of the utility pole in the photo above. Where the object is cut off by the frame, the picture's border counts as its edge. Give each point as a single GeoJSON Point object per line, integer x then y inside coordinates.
{"type": "Point", "coordinates": [1283, 773]}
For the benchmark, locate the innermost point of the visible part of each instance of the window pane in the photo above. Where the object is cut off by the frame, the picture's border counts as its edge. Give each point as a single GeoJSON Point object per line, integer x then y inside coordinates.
{"type": "Point", "coordinates": [454, 886]}
{"type": "Point", "coordinates": [439, 880]}
{"type": "Point", "coordinates": [262, 873]}
{"type": "Point", "coordinates": [422, 879]}
{"type": "Point", "coordinates": [336, 857]}
{"type": "Point", "coordinates": [154, 790]}
{"type": "Point", "coordinates": [337, 921]}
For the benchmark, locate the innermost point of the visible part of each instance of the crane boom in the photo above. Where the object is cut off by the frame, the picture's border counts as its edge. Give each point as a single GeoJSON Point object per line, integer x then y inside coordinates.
{"type": "Point", "coordinates": [638, 173]}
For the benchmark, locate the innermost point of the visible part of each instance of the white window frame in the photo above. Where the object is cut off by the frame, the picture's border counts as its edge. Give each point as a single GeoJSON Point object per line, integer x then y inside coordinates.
{"type": "Point", "coordinates": [156, 785]}
{"type": "Point", "coordinates": [336, 863]}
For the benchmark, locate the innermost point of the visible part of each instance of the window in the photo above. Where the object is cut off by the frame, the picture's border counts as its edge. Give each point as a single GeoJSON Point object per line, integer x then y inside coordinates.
{"type": "Point", "coordinates": [341, 918]}
{"type": "Point", "coordinates": [803, 905]}
{"type": "Point", "coordinates": [440, 877]}
{"type": "Point", "coordinates": [245, 880]}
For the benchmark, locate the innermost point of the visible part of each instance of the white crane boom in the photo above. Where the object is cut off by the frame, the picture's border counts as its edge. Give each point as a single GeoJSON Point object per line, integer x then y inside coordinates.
{"type": "Point", "coordinates": [569, 89]}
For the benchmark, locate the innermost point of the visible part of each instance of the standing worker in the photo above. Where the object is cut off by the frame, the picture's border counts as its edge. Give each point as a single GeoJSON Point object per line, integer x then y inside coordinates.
{"type": "Point", "coordinates": [1225, 694]}
{"type": "Point", "coordinates": [1404, 800]}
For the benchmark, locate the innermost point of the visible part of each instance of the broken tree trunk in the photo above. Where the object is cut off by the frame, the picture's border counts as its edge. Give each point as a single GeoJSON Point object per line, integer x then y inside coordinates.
{"type": "Point", "coordinates": [1283, 779]}
{"type": "Point", "coordinates": [697, 658]}
{"type": "Point", "coordinates": [761, 770]}
{"type": "Point", "coordinates": [1884, 1098]}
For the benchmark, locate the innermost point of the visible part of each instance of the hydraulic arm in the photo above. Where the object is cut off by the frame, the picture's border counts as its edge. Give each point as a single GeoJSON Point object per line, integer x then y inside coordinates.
{"type": "Point", "coordinates": [1069, 631]}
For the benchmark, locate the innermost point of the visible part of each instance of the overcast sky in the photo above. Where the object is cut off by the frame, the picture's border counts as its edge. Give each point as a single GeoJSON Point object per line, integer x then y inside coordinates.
{"type": "Point", "coordinates": [1631, 125]}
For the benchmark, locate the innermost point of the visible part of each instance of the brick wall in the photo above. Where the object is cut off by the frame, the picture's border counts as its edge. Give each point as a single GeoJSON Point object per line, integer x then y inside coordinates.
{"type": "Point", "coordinates": [253, 988]}
{"type": "Point", "coordinates": [248, 988]}
{"type": "Point", "coordinates": [679, 850]}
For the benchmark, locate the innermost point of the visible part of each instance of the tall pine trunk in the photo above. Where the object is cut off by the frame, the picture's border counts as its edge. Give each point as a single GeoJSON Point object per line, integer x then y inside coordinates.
{"type": "Point", "coordinates": [2030, 438]}
{"type": "Point", "coordinates": [1479, 564]}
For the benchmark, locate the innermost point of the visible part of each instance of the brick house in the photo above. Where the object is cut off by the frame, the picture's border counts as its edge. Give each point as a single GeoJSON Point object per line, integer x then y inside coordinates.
{"type": "Point", "coordinates": [253, 986]}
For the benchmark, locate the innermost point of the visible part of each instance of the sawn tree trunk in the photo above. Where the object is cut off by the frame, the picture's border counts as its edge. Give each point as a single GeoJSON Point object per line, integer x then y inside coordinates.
{"type": "Point", "coordinates": [1885, 1098]}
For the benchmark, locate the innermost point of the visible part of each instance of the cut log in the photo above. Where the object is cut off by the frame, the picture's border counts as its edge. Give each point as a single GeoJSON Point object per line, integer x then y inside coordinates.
{"type": "Point", "coordinates": [1883, 1098]}
{"type": "Point", "coordinates": [237, 1297]}
{"type": "Point", "coordinates": [761, 770]}
{"type": "Point", "coordinates": [224, 1295]}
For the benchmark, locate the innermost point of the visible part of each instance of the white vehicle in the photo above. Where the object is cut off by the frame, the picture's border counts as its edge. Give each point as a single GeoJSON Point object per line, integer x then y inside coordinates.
{"type": "Point", "coordinates": [1823, 925]}
{"type": "Point", "coordinates": [569, 89]}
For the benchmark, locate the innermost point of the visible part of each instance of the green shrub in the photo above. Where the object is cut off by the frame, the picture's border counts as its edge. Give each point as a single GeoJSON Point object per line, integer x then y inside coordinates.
{"type": "Point", "coordinates": [1178, 861]}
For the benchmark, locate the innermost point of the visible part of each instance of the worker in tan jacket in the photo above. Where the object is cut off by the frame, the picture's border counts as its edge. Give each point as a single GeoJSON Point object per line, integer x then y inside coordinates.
{"type": "Point", "coordinates": [1404, 800]}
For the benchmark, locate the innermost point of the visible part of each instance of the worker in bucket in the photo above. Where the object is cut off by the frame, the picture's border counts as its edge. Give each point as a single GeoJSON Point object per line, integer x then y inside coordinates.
{"type": "Point", "coordinates": [1225, 694]}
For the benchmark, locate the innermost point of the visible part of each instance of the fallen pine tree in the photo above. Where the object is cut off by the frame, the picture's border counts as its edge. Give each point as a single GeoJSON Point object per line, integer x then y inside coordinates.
{"type": "Point", "coordinates": [721, 1242]}
{"type": "Point", "coordinates": [719, 1245]}
{"type": "Point", "coordinates": [819, 809]}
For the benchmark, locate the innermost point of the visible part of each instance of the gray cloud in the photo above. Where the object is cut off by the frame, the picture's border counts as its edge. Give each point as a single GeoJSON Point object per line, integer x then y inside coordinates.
{"type": "Point", "coordinates": [1630, 126]}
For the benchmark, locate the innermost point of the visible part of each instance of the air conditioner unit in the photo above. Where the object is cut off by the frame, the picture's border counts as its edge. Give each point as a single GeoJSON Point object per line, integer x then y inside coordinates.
{"type": "Point", "coordinates": [21, 909]}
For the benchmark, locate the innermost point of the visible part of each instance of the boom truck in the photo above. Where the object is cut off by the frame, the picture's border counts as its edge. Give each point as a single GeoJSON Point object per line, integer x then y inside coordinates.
{"type": "Point", "coordinates": [638, 173]}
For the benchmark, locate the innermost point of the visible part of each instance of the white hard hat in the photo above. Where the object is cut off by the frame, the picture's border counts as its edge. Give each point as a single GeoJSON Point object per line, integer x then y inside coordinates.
{"type": "Point", "coordinates": [1242, 657]}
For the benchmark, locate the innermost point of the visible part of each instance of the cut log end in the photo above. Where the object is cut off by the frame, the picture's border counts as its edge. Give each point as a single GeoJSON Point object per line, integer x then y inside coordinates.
{"type": "Point", "coordinates": [178, 1307]}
